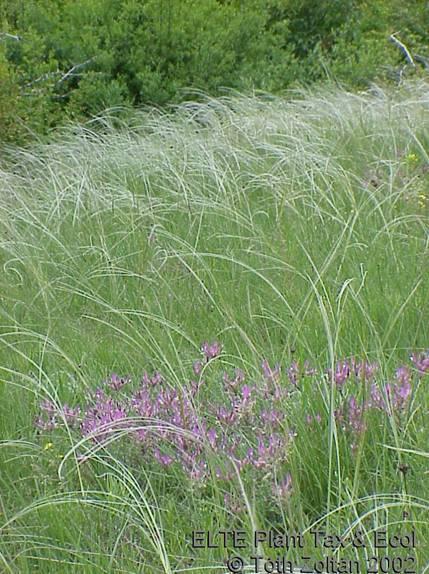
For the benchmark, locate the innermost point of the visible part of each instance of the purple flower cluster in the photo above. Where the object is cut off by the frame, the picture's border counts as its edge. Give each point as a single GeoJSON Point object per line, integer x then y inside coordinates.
{"type": "Point", "coordinates": [104, 417]}
{"type": "Point", "coordinates": [347, 369]}
{"type": "Point", "coordinates": [391, 398]}
{"type": "Point", "coordinates": [282, 489]}
{"type": "Point", "coordinates": [421, 362]}
{"type": "Point", "coordinates": [115, 382]}
{"type": "Point", "coordinates": [211, 350]}
{"type": "Point", "coordinates": [245, 430]}
{"type": "Point", "coordinates": [294, 374]}
{"type": "Point", "coordinates": [395, 395]}
{"type": "Point", "coordinates": [52, 415]}
{"type": "Point", "coordinates": [242, 429]}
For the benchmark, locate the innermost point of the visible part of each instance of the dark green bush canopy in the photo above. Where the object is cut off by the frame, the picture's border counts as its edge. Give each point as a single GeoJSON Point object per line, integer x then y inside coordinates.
{"type": "Point", "coordinates": [64, 59]}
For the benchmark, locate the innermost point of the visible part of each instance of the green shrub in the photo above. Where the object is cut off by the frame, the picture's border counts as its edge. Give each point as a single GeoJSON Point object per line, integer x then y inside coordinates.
{"type": "Point", "coordinates": [74, 59]}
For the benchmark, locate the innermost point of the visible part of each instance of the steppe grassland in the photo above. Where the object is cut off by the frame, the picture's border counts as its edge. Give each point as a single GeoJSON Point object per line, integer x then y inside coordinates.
{"type": "Point", "coordinates": [287, 230]}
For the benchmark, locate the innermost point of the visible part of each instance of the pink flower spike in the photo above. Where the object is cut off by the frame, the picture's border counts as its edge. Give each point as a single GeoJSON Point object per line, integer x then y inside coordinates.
{"type": "Point", "coordinates": [246, 392]}
{"type": "Point", "coordinates": [211, 350]}
{"type": "Point", "coordinates": [270, 374]}
{"type": "Point", "coordinates": [212, 436]}
{"type": "Point", "coordinates": [284, 487]}
{"type": "Point", "coordinates": [197, 367]}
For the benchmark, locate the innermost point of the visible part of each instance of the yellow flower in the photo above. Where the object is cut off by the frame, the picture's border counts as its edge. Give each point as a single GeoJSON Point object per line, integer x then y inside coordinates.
{"type": "Point", "coordinates": [48, 445]}
{"type": "Point", "coordinates": [423, 200]}
{"type": "Point", "coordinates": [412, 158]}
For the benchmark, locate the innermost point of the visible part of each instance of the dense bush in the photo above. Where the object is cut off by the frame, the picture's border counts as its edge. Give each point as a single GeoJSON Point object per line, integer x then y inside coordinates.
{"type": "Point", "coordinates": [73, 59]}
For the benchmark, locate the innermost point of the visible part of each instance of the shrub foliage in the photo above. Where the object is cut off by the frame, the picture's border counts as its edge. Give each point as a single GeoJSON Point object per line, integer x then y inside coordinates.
{"type": "Point", "coordinates": [61, 59]}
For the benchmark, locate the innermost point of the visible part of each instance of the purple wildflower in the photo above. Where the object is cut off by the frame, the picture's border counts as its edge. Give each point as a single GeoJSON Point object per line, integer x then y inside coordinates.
{"type": "Point", "coordinates": [293, 373]}
{"type": "Point", "coordinates": [283, 488]}
{"type": "Point", "coordinates": [421, 362]}
{"type": "Point", "coordinates": [153, 381]}
{"type": "Point", "coordinates": [141, 435]}
{"type": "Point", "coordinates": [272, 387]}
{"type": "Point", "coordinates": [355, 416]}
{"type": "Point", "coordinates": [246, 392]}
{"type": "Point", "coordinates": [310, 419]}
{"type": "Point", "coordinates": [272, 417]}
{"type": "Point", "coordinates": [212, 437]}
{"type": "Point", "coordinates": [195, 386]}
{"type": "Point", "coordinates": [198, 472]}
{"type": "Point", "coordinates": [398, 394]}
{"type": "Point", "coordinates": [233, 383]}
{"type": "Point", "coordinates": [364, 370]}
{"type": "Point", "coordinates": [142, 404]}
{"type": "Point", "coordinates": [211, 350]}
{"type": "Point", "coordinates": [403, 375]}
{"type": "Point", "coordinates": [309, 371]}
{"type": "Point", "coordinates": [377, 400]}
{"type": "Point", "coordinates": [116, 382]}
{"type": "Point", "coordinates": [269, 373]}
{"type": "Point", "coordinates": [198, 367]}
{"type": "Point", "coordinates": [71, 415]}
{"type": "Point", "coordinates": [402, 393]}
{"type": "Point", "coordinates": [226, 416]}
{"type": "Point", "coordinates": [163, 459]}
{"type": "Point", "coordinates": [341, 373]}
{"type": "Point", "coordinates": [48, 406]}
{"type": "Point", "coordinates": [101, 419]}
{"type": "Point", "coordinates": [180, 436]}
{"type": "Point", "coordinates": [267, 454]}
{"type": "Point", "coordinates": [45, 424]}
{"type": "Point", "coordinates": [167, 399]}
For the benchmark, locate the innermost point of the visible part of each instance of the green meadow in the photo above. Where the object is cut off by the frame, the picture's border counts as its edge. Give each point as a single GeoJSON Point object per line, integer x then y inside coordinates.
{"type": "Point", "coordinates": [288, 230]}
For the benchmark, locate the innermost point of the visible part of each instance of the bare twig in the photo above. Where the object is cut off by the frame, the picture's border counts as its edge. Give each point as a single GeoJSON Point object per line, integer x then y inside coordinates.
{"type": "Point", "coordinates": [403, 49]}
{"type": "Point", "coordinates": [72, 70]}
{"type": "Point", "coordinates": [10, 36]}
{"type": "Point", "coordinates": [42, 78]}
{"type": "Point", "coordinates": [70, 73]}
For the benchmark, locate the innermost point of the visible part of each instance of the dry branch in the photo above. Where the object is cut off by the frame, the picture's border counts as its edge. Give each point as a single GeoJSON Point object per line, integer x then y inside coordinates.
{"type": "Point", "coordinates": [10, 36]}
{"type": "Point", "coordinates": [403, 49]}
